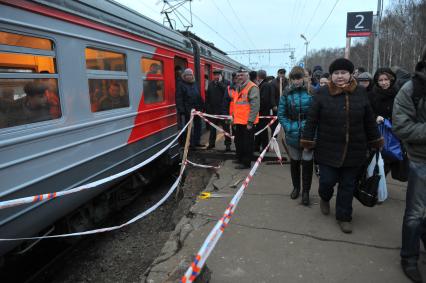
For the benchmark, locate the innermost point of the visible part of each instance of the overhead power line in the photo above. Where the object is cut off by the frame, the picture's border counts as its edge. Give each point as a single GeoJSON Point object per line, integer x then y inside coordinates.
{"type": "Point", "coordinates": [241, 25]}
{"type": "Point", "coordinates": [312, 17]}
{"type": "Point", "coordinates": [322, 25]}
{"type": "Point", "coordinates": [212, 29]}
{"type": "Point", "coordinates": [228, 21]}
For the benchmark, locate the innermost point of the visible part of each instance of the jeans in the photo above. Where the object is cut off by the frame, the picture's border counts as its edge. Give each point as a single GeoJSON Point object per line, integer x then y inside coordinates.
{"type": "Point", "coordinates": [413, 226]}
{"type": "Point", "coordinates": [346, 177]}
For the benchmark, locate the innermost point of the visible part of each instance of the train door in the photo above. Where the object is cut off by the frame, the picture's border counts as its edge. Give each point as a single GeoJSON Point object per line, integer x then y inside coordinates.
{"type": "Point", "coordinates": [180, 64]}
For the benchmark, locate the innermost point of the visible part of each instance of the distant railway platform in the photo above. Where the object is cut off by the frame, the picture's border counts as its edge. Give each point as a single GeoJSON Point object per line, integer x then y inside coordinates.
{"type": "Point", "coordinates": [272, 238]}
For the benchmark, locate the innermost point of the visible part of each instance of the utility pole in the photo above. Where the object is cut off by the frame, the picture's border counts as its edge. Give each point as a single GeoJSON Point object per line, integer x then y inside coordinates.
{"type": "Point", "coordinates": [306, 49]}
{"type": "Point", "coordinates": [376, 36]}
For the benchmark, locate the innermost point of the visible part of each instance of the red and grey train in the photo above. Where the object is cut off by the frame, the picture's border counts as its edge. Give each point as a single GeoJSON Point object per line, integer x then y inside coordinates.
{"type": "Point", "coordinates": [86, 90]}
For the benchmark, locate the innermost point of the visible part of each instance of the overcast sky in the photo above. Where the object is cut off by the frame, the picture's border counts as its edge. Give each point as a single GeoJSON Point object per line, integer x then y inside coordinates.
{"type": "Point", "coordinates": [263, 24]}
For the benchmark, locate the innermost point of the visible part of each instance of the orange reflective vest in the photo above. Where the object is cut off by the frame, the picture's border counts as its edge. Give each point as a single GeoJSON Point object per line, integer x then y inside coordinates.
{"type": "Point", "coordinates": [231, 93]}
{"type": "Point", "coordinates": [242, 105]}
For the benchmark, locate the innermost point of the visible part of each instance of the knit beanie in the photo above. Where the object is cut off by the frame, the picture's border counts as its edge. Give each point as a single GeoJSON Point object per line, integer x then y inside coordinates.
{"type": "Point", "coordinates": [296, 73]}
{"type": "Point", "coordinates": [366, 76]}
{"type": "Point", "coordinates": [341, 64]}
{"type": "Point", "coordinates": [187, 71]}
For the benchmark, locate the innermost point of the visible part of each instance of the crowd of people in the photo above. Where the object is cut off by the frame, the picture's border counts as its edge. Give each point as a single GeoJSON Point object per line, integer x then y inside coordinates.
{"type": "Point", "coordinates": [330, 120]}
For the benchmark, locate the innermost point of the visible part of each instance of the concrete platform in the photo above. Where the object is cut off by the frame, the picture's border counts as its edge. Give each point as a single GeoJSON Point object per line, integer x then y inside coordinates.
{"type": "Point", "coordinates": [272, 238]}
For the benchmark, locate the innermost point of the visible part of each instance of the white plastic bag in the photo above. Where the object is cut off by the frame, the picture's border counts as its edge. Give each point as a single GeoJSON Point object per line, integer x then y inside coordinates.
{"type": "Point", "coordinates": [382, 193]}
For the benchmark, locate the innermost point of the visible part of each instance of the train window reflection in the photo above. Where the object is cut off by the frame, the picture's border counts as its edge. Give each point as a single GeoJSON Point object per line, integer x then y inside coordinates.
{"type": "Point", "coordinates": [97, 59]}
{"type": "Point", "coordinates": [108, 94]}
{"type": "Point", "coordinates": [14, 39]}
{"type": "Point", "coordinates": [151, 67]}
{"type": "Point", "coordinates": [153, 91]}
{"type": "Point", "coordinates": [25, 101]}
{"type": "Point", "coordinates": [153, 84]}
{"type": "Point", "coordinates": [26, 63]}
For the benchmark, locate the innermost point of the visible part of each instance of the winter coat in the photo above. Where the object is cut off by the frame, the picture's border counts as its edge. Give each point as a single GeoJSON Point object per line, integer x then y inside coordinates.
{"type": "Point", "coordinates": [344, 125]}
{"type": "Point", "coordinates": [214, 96]}
{"type": "Point", "coordinates": [188, 97]}
{"type": "Point", "coordinates": [409, 118]}
{"type": "Point", "coordinates": [381, 101]}
{"type": "Point", "coordinates": [292, 113]}
{"type": "Point", "coordinates": [267, 98]}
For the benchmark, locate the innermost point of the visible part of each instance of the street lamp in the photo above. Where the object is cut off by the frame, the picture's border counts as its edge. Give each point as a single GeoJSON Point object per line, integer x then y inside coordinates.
{"type": "Point", "coordinates": [306, 44]}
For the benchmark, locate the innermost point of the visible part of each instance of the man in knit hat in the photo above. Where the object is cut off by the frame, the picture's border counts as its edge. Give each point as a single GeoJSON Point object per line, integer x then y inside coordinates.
{"type": "Point", "coordinates": [409, 124]}
{"type": "Point", "coordinates": [365, 80]}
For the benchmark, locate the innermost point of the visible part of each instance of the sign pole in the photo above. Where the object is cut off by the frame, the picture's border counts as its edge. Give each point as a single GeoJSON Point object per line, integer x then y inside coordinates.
{"type": "Point", "coordinates": [348, 47]}
{"type": "Point", "coordinates": [376, 36]}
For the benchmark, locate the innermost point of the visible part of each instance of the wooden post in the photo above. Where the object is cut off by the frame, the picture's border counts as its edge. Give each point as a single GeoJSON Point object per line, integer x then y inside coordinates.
{"type": "Point", "coordinates": [186, 148]}
{"type": "Point", "coordinates": [348, 47]}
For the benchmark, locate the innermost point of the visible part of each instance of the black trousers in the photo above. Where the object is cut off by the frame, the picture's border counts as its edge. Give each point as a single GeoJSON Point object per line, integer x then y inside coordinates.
{"type": "Point", "coordinates": [244, 143]}
{"type": "Point", "coordinates": [225, 127]}
{"type": "Point", "coordinates": [263, 138]}
{"type": "Point", "coordinates": [346, 177]}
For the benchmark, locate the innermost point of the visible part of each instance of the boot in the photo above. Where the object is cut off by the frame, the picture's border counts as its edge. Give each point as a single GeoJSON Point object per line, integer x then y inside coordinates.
{"type": "Point", "coordinates": [307, 172]}
{"type": "Point", "coordinates": [295, 178]}
{"type": "Point", "coordinates": [411, 271]}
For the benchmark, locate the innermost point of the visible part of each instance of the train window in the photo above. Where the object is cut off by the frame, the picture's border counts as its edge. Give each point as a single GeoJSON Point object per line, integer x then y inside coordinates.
{"type": "Point", "coordinates": [25, 63]}
{"type": "Point", "coordinates": [153, 85]}
{"type": "Point", "coordinates": [97, 59]}
{"type": "Point", "coordinates": [28, 82]}
{"type": "Point", "coordinates": [107, 94]}
{"type": "Point", "coordinates": [25, 101]}
{"type": "Point", "coordinates": [13, 39]}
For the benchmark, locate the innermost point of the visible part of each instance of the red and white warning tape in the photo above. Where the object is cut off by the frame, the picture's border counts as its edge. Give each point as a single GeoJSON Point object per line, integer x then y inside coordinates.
{"type": "Point", "coordinates": [202, 165]}
{"type": "Point", "coordinates": [92, 185]}
{"type": "Point", "coordinates": [217, 231]}
{"type": "Point", "coordinates": [267, 126]}
{"type": "Point", "coordinates": [107, 229]}
{"type": "Point", "coordinates": [213, 125]}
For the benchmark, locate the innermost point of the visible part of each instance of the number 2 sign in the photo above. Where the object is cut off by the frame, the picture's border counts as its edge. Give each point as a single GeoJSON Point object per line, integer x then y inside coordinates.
{"type": "Point", "coordinates": [359, 24]}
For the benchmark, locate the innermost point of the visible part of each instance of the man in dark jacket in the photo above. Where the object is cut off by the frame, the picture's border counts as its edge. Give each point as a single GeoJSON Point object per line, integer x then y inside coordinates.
{"type": "Point", "coordinates": [267, 101]}
{"type": "Point", "coordinates": [409, 124]}
{"type": "Point", "coordinates": [214, 104]}
{"type": "Point", "coordinates": [187, 98]}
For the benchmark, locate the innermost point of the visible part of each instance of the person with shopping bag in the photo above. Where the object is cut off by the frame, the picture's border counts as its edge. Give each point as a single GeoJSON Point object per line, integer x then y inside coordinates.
{"type": "Point", "coordinates": [381, 98]}
{"type": "Point", "coordinates": [340, 128]}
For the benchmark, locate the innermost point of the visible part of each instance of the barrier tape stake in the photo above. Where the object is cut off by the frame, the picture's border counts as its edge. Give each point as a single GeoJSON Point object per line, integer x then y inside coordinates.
{"type": "Point", "coordinates": [186, 148]}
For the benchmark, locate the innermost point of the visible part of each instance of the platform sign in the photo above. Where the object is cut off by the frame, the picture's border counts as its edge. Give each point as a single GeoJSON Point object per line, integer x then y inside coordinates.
{"type": "Point", "coordinates": [359, 24]}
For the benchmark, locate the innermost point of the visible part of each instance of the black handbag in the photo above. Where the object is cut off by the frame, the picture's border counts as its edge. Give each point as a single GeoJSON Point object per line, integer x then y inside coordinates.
{"type": "Point", "coordinates": [367, 187]}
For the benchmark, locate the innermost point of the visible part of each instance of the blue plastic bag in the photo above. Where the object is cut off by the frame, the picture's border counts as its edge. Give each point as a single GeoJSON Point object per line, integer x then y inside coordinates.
{"type": "Point", "coordinates": [392, 148]}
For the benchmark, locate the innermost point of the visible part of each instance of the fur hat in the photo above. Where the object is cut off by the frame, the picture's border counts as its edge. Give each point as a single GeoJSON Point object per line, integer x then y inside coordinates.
{"type": "Point", "coordinates": [297, 73]}
{"type": "Point", "coordinates": [341, 64]}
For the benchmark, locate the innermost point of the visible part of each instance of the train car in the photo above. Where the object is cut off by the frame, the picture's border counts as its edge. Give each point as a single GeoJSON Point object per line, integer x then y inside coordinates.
{"type": "Point", "coordinates": [86, 91]}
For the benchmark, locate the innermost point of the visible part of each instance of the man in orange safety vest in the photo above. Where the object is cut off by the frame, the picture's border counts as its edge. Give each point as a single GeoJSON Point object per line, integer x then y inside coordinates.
{"type": "Point", "coordinates": [245, 116]}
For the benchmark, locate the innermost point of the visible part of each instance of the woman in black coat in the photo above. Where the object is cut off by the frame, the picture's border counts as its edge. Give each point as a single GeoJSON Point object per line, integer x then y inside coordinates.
{"type": "Point", "coordinates": [381, 99]}
{"type": "Point", "coordinates": [340, 127]}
